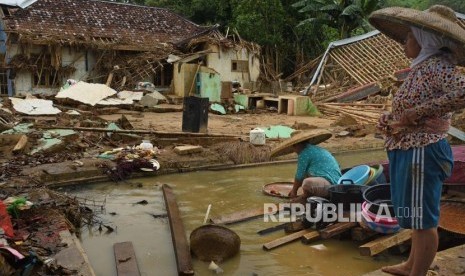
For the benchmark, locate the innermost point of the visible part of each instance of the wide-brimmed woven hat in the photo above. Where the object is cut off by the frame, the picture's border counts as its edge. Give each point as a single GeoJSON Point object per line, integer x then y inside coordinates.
{"type": "Point", "coordinates": [395, 22]}
{"type": "Point", "coordinates": [311, 136]}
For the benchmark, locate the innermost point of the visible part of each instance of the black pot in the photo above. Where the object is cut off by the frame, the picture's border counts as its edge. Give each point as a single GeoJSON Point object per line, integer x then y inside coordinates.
{"type": "Point", "coordinates": [316, 204]}
{"type": "Point", "coordinates": [377, 196]}
{"type": "Point", "coordinates": [346, 194]}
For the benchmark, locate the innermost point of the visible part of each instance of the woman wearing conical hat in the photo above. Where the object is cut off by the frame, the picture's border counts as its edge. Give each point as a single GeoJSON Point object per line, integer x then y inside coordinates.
{"type": "Point", "coordinates": [420, 157]}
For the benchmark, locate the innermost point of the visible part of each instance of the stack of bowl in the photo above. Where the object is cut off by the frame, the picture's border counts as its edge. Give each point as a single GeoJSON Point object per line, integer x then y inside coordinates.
{"type": "Point", "coordinates": [378, 211]}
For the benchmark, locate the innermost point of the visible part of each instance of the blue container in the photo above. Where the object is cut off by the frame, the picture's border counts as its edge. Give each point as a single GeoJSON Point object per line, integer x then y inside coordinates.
{"type": "Point", "coordinates": [357, 175]}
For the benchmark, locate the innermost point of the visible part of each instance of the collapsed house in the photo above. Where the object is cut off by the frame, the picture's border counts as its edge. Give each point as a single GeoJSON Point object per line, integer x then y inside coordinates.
{"type": "Point", "coordinates": [47, 42]}
{"type": "Point", "coordinates": [358, 65]}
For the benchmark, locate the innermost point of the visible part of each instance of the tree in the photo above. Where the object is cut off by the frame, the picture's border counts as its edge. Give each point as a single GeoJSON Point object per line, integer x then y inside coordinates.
{"type": "Point", "coordinates": [346, 16]}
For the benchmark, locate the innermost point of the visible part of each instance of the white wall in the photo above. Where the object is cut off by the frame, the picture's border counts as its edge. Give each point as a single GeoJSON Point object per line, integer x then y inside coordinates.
{"type": "Point", "coordinates": [220, 60]}
{"type": "Point", "coordinates": [24, 80]}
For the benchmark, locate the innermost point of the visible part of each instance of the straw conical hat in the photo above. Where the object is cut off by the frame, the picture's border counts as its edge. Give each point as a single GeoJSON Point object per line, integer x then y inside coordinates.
{"type": "Point", "coordinates": [395, 22]}
{"type": "Point", "coordinates": [312, 137]}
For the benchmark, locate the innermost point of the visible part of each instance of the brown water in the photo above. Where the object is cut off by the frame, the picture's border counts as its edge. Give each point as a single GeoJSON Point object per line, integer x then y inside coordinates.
{"type": "Point", "coordinates": [227, 191]}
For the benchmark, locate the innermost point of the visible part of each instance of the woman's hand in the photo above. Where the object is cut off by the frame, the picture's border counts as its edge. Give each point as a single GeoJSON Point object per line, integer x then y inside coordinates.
{"type": "Point", "coordinates": [409, 118]}
{"type": "Point", "coordinates": [293, 193]}
{"type": "Point", "coordinates": [383, 122]}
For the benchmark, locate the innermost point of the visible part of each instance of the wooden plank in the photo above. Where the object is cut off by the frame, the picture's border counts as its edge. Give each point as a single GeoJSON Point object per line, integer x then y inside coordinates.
{"type": "Point", "coordinates": [362, 234]}
{"type": "Point", "coordinates": [242, 215]}
{"type": "Point", "coordinates": [22, 142]}
{"type": "Point", "coordinates": [286, 239]}
{"type": "Point", "coordinates": [310, 237]}
{"type": "Point", "coordinates": [295, 226]}
{"type": "Point", "coordinates": [379, 245]}
{"type": "Point", "coordinates": [125, 258]}
{"type": "Point", "coordinates": [178, 234]}
{"type": "Point", "coordinates": [337, 229]}
{"type": "Point", "coordinates": [272, 229]}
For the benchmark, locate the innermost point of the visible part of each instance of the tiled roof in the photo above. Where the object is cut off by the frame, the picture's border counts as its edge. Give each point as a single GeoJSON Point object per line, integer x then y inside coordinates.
{"type": "Point", "coordinates": [122, 26]}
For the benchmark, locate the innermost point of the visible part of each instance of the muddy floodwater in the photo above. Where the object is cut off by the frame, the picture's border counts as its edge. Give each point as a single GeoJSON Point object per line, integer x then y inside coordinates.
{"type": "Point", "coordinates": [227, 191]}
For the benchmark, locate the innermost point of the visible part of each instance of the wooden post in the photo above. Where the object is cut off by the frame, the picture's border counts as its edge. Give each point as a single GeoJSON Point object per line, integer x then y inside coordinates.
{"type": "Point", "coordinates": [125, 258]}
{"type": "Point", "coordinates": [109, 79]}
{"type": "Point", "coordinates": [379, 245]}
{"type": "Point", "coordinates": [178, 234]}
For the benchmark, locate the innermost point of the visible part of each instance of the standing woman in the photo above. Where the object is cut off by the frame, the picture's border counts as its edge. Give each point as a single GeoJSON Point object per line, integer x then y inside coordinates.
{"type": "Point", "coordinates": [420, 157]}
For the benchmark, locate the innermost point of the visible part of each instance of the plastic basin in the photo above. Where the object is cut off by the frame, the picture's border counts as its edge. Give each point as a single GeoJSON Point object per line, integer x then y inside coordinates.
{"type": "Point", "coordinates": [379, 196]}
{"type": "Point", "coordinates": [357, 175]}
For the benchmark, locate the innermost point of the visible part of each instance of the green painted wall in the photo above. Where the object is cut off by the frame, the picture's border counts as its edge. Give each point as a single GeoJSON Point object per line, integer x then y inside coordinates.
{"type": "Point", "coordinates": [210, 86]}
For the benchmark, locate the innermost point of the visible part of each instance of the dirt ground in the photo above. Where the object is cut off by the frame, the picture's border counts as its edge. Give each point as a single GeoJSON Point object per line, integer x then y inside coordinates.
{"type": "Point", "coordinates": [242, 124]}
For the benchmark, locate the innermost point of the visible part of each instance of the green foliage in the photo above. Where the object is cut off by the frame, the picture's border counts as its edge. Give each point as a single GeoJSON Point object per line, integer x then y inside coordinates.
{"type": "Point", "coordinates": [456, 5]}
{"type": "Point", "coordinates": [346, 16]}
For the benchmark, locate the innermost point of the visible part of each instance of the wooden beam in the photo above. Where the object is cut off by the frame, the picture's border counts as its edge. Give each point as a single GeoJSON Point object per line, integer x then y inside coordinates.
{"type": "Point", "coordinates": [272, 229]}
{"type": "Point", "coordinates": [178, 234]}
{"type": "Point", "coordinates": [243, 215]}
{"type": "Point", "coordinates": [125, 258]}
{"type": "Point", "coordinates": [336, 229]}
{"type": "Point", "coordinates": [310, 237]}
{"type": "Point", "coordinates": [286, 239]}
{"type": "Point", "coordinates": [362, 234]}
{"type": "Point", "coordinates": [138, 131]}
{"type": "Point", "coordinates": [379, 245]}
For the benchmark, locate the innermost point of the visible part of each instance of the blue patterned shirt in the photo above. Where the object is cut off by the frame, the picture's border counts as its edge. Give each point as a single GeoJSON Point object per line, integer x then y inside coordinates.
{"type": "Point", "coordinates": [317, 162]}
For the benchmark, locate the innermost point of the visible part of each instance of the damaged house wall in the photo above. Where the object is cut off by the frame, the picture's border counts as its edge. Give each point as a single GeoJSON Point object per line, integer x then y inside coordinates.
{"type": "Point", "coordinates": [95, 41]}
{"type": "Point", "coordinates": [43, 70]}
{"type": "Point", "coordinates": [118, 44]}
{"type": "Point", "coordinates": [234, 64]}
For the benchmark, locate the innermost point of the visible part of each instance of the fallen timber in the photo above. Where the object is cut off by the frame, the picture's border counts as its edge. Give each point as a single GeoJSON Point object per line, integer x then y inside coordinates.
{"type": "Point", "coordinates": [140, 131]}
{"type": "Point", "coordinates": [178, 234]}
{"type": "Point", "coordinates": [126, 263]}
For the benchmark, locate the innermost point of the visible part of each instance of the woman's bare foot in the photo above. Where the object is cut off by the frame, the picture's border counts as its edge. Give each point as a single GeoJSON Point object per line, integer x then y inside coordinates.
{"type": "Point", "coordinates": [400, 269]}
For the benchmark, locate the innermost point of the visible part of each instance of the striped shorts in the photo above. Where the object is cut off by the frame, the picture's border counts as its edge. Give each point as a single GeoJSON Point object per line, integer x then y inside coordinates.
{"type": "Point", "coordinates": [416, 176]}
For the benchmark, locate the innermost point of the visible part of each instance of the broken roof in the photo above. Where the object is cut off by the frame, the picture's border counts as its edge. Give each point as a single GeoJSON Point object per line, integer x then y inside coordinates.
{"type": "Point", "coordinates": [101, 24]}
{"type": "Point", "coordinates": [17, 3]}
{"type": "Point", "coordinates": [365, 58]}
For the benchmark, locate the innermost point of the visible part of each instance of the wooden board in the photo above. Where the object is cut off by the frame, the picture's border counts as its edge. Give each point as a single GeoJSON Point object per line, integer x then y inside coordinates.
{"type": "Point", "coordinates": [286, 239]}
{"type": "Point", "coordinates": [379, 245]}
{"type": "Point", "coordinates": [178, 234]}
{"type": "Point", "coordinates": [272, 229]}
{"type": "Point", "coordinates": [242, 215]}
{"type": "Point", "coordinates": [310, 237]}
{"type": "Point", "coordinates": [125, 258]}
{"type": "Point", "coordinates": [336, 229]}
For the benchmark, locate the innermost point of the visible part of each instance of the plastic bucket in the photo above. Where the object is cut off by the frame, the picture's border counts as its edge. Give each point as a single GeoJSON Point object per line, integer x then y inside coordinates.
{"type": "Point", "coordinates": [257, 136]}
{"type": "Point", "coordinates": [357, 175]}
{"type": "Point", "coordinates": [346, 194]}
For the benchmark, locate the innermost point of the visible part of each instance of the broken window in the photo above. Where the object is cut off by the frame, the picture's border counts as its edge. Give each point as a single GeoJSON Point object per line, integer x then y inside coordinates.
{"type": "Point", "coordinates": [45, 74]}
{"type": "Point", "coordinates": [3, 82]}
{"type": "Point", "coordinates": [240, 66]}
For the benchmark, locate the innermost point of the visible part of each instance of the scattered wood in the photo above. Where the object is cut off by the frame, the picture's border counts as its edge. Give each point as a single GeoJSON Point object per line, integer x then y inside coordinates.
{"type": "Point", "coordinates": [336, 229]}
{"type": "Point", "coordinates": [138, 131]}
{"type": "Point", "coordinates": [286, 239]}
{"type": "Point", "coordinates": [188, 149]}
{"type": "Point", "coordinates": [310, 237]}
{"type": "Point", "coordinates": [379, 245]}
{"type": "Point", "coordinates": [243, 215]}
{"type": "Point", "coordinates": [178, 234]}
{"type": "Point", "coordinates": [125, 258]}
{"type": "Point", "coordinates": [22, 142]}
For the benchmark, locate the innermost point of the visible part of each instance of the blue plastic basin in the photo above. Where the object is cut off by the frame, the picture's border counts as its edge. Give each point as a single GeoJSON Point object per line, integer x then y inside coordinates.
{"type": "Point", "coordinates": [357, 175]}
